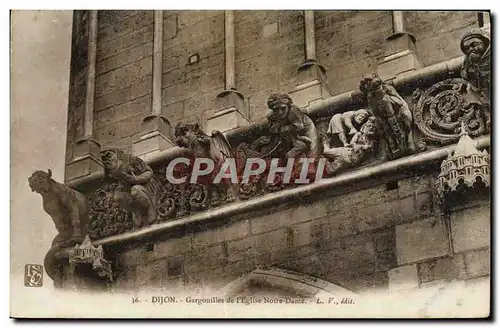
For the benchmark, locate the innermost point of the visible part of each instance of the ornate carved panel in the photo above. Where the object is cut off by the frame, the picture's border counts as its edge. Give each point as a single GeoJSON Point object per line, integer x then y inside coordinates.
{"type": "Point", "coordinates": [439, 111]}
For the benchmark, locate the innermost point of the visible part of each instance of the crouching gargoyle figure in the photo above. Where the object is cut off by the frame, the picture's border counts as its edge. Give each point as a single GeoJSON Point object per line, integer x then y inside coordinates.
{"type": "Point", "coordinates": [68, 208]}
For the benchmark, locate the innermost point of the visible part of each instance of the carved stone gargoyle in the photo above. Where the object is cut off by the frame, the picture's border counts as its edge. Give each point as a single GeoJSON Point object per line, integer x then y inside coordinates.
{"type": "Point", "coordinates": [142, 189]}
{"type": "Point", "coordinates": [214, 147]}
{"type": "Point", "coordinates": [68, 209]}
{"type": "Point", "coordinates": [393, 116]}
{"type": "Point", "coordinates": [476, 69]}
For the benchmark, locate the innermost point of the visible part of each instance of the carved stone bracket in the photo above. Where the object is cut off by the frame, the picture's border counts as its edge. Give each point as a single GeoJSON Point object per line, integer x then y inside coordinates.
{"type": "Point", "coordinates": [439, 111]}
{"type": "Point", "coordinates": [464, 170]}
{"type": "Point", "coordinates": [86, 253]}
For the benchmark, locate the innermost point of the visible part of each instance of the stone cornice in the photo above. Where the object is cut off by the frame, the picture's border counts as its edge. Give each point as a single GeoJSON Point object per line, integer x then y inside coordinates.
{"type": "Point", "coordinates": [350, 178]}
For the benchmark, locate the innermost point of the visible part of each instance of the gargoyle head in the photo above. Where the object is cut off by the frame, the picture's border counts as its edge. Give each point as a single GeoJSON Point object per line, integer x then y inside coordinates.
{"type": "Point", "coordinates": [185, 134]}
{"type": "Point", "coordinates": [111, 158]}
{"type": "Point", "coordinates": [475, 44]}
{"type": "Point", "coordinates": [280, 104]}
{"type": "Point", "coordinates": [372, 86]}
{"type": "Point", "coordinates": [40, 181]}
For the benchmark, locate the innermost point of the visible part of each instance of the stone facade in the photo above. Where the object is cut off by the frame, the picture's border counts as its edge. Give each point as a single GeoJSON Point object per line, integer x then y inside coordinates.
{"type": "Point", "coordinates": [269, 50]}
{"type": "Point", "coordinates": [381, 226]}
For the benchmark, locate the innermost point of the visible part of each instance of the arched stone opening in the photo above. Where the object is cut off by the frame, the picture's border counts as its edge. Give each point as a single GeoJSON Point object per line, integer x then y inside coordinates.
{"type": "Point", "coordinates": [283, 283]}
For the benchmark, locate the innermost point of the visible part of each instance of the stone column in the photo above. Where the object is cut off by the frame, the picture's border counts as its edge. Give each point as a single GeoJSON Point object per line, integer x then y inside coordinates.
{"type": "Point", "coordinates": [400, 53]}
{"type": "Point", "coordinates": [86, 158]}
{"type": "Point", "coordinates": [232, 111]}
{"type": "Point", "coordinates": [312, 81]}
{"type": "Point", "coordinates": [156, 132]}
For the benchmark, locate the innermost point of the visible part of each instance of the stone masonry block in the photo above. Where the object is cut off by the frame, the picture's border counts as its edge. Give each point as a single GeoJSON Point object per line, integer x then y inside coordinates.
{"type": "Point", "coordinates": [270, 242]}
{"type": "Point", "coordinates": [269, 222]}
{"type": "Point", "coordinates": [129, 93]}
{"type": "Point", "coordinates": [232, 231]}
{"type": "Point", "coordinates": [414, 185]}
{"type": "Point", "coordinates": [172, 247]}
{"type": "Point", "coordinates": [152, 123]}
{"type": "Point", "coordinates": [399, 43]}
{"type": "Point", "coordinates": [241, 249]}
{"type": "Point", "coordinates": [351, 254]}
{"type": "Point", "coordinates": [403, 278]}
{"type": "Point", "coordinates": [470, 228]}
{"type": "Point", "coordinates": [170, 27]}
{"type": "Point", "coordinates": [447, 268]}
{"type": "Point", "coordinates": [123, 42]}
{"type": "Point", "coordinates": [478, 263]}
{"type": "Point", "coordinates": [287, 218]}
{"type": "Point", "coordinates": [361, 282]}
{"type": "Point", "coordinates": [151, 274]}
{"type": "Point", "coordinates": [83, 166]}
{"type": "Point", "coordinates": [374, 195]}
{"type": "Point", "coordinates": [126, 57]}
{"type": "Point", "coordinates": [123, 76]}
{"type": "Point", "coordinates": [151, 143]}
{"type": "Point", "coordinates": [308, 93]}
{"type": "Point", "coordinates": [420, 240]}
{"type": "Point", "coordinates": [205, 259]}
{"type": "Point", "coordinates": [136, 22]}
{"type": "Point", "coordinates": [225, 120]}
{"type": "Point", "coordinates": [398, 64]}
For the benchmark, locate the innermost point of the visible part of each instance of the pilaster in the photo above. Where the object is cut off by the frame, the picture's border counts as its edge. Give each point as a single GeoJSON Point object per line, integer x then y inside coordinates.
{"type": "Point", "coordinates": [86, 157]}
{"type": "Point", "coordinates": [232, 110]}
{"type": "Point", "coordinates": [311, 75]}
{"type": "Point", "coordinates": [400, 55]}
{"type": "Point", "coordinates": [156, 132]}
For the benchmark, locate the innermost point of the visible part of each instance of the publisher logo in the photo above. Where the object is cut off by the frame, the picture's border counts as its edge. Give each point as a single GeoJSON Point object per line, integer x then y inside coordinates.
{"type": "Point", "coordinates": [33, 275]}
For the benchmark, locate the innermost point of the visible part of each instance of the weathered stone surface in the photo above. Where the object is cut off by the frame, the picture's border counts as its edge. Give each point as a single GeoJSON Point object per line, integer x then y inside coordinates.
{"type": "Point", "coordinates": [204, 259]}
{"type": "Point", "coordinates": [232, 231]}
{"type": "Point", "coordinates": [478, 263]}
{"type": "Point", "coordinates": [124, 42]}
{"type": "Point", "coordinates": [433, 31]}
{"type": "Point", "coordinates": [270, 30]}
{"type": "Point", "coordinates": [403, 278]}
{"type": "Point", "coordinates": [170, 26]}
{"type": "Point", "coordinates": [123, 76]}
{"type": "Point", "coordinates": [173, 247]}
{"type": "Point", "coordinates": [151, 143]}
{"type": "Point", "coordinates": [81, 167]}
{"type": "Point", "coordinates": [420, 240]}
{"type": "Point", "coordinates": [241, 249]}
{"type": "Point", "coordinates": [152, 274]}
{"type": "Point", "coordinates": [288, 218]}
{"type": "Point", "coordinates": [470, 228]}
{"type": "Point", "coordinates": [124, 26]}
{"type": "Point", "coordinates": [361, 282]}
{"type": "Point", "coordinates": [447, 268]}
{"type": "Point", "coordinates": [134, 108]}
{"type": "Point", "coordinates": [124, 58]}
{"type": "Point", "coordinates": [225, 120]}
{"type": "Point", "coordinates": [398, 64]}
{"type": "Point", "coordinates": [385, 249]}
{"type": "Point", "coordinates": [129, 93]}
{"type": "Point", "coordinates": [350, 254]}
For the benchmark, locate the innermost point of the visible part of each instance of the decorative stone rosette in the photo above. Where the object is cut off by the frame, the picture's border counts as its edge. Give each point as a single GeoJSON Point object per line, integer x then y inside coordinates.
{"type": "Point", "coordinates": [439, 111]}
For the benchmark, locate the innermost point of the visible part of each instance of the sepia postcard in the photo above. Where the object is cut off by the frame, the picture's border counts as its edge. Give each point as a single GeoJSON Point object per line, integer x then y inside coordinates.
{"type": "Point", "coordinates": [250, 164]}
